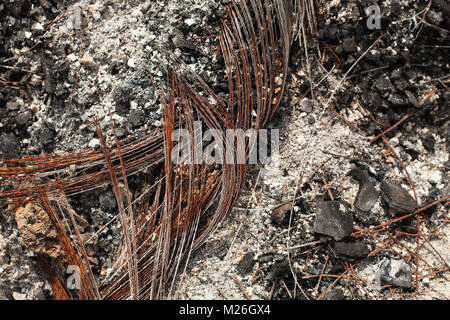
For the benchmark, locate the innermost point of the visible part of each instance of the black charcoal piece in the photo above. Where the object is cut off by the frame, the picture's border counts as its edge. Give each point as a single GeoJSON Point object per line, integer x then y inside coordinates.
{"type": "Point", "coordinates": [333, 220]}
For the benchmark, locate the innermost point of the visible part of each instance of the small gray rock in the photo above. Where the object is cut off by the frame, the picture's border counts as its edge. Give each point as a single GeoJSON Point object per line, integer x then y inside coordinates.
{"type": "Point", "coordinates": [121, 132]}
{"type": "Point", "coordinates": [279, 213]}
{"type": "Point", "coordinates": [396, 99]}
{"type": "Point", "coordinates": [23, 118]}
{"type": "Point", "coordinates": [306, 105]}
{"type": "Point", "coordinates": [412, 99]}
{"type": "Point", "coordinates": [108, 201]}
{"type": "Point", "coordinates": [383, 84]}
{"type": "Point", "coordinates": [12, 105]}
{"type": "Point", "coordinates": [122, 92]}
{"type": "Point", "coordinates": [396, 273]}
{"type": "Point", "coordinates": [137, 118]}
{"type": "Point", "coordinates": [74, 19]}
{"type": "Point", "coordinates": [19, 296]}
{"type": "Point", "coordinates": [179, 40]}
{"type": "Point", "coordinates": [47, 135]}
{"type": "Point", "coordinates": [445, 192]}
{"type": "Point", "coordinates": [245, 265]}
{"type": "Point", "coordinates": [349, 45]}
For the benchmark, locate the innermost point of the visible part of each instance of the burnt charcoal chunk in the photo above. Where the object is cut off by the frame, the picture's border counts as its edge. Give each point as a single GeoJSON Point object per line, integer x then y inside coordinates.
{"type": "Point", "coordinates": [245, 265]}
{"type": "Point", "coordinates": [396, 8]}
{"type": "Point", "coordinates": [121, 132]}
{"type": "Point", "coordinates": [18, 8]}
{"type": "Point", "coordinates": [303, 205]}
{"type": "Point", "coordinates": [122, 95]}
{"type": "Point", "coordinates": [367, 194]}
{"type": "Point", "coordinates": [384, 85]}
{"type": "Point", "coordinates": [366, 198]}
{"type": "Point", "coordinates": [280, 270]}
{"type": "Point", "coordinates": [222, 250]}
{"type": "Point", "coordinates": [428, 142]}
{"type": "Point", "coordinates": [332, 220]}
{"type": "Point", "coordinates": [46, 64]}
{"type": "Point", "coordinates": [330, 33]}
{"type": "Point", "coordinates": [265, 258]}
{"type": "Point", "coordinates": [352, 250]}
{"type": "Point", "coordinates": [397, 198]}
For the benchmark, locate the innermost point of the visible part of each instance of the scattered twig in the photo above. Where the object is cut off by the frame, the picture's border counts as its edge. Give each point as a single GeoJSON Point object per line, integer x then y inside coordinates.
{"type": "Point", "coordinates": [238, 282]}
